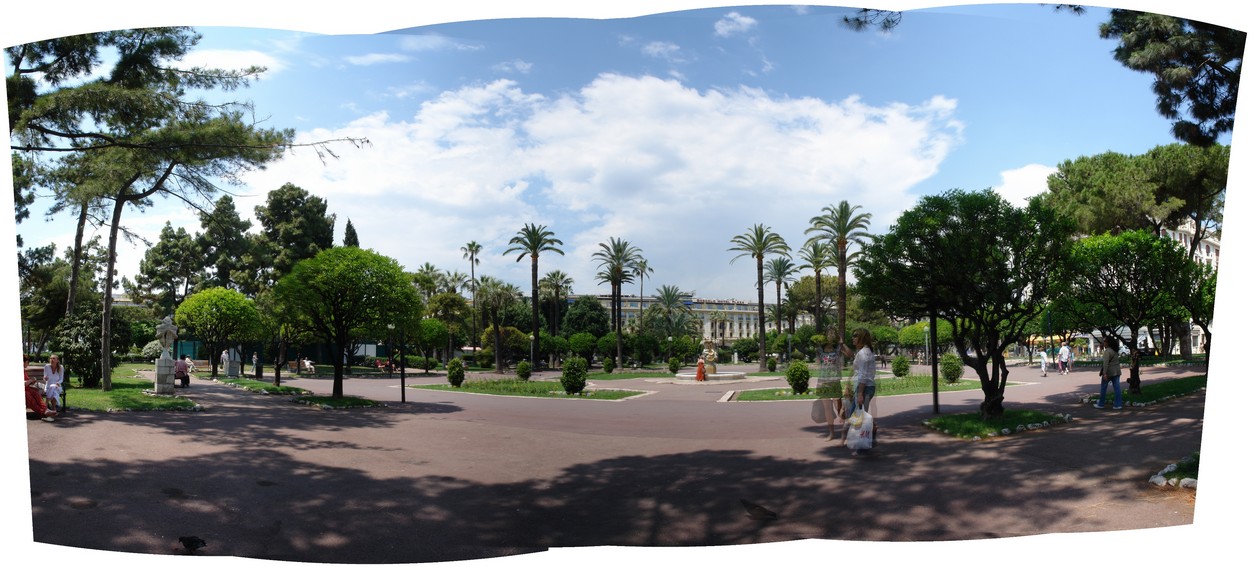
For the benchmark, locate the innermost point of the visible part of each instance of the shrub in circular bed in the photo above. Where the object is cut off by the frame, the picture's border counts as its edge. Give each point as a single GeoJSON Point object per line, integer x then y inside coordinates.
{"type": "Point", "coordinates": [573, 375]}
{"type": "Point", "coordinates": [455, 372]}
{"type": "Point", "coordinates": [772, 364]}
{"type": "Point", "coordinates": [951, 366]}
{"type": "Point", "coordinates": [900, 366]}
{"type": "Point", "coordinates": [523, 370]}
{"type": "Point", "coordinates": [674, 364]}
{"type": "Point", "coordinates": [609, 364]}
{"type": "Point", "coordinates": [798, 375]}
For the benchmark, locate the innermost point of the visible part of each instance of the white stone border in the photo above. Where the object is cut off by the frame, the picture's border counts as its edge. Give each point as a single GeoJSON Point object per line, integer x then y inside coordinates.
{"type": "Point", "coordinates": [1159, 480]}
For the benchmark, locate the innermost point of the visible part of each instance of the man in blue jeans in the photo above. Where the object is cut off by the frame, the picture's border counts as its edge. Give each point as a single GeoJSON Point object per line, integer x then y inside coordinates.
{"type": "Point", "coordinates": [1110, 373]}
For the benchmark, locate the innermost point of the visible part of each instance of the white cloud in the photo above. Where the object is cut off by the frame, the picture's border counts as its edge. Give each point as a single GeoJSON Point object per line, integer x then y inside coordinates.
{"type": "Point", "coordinates": [1018, 185]}
{"type": "Point", "coordinates": [515, 66]}
{"type": "Point", "coordinates": [376, 59]}
{"type": "Point", "coordinates": [666, 50]}
{"type": "Point", "coordinates": [676, 171]}
{"type": "Point", "coordinates": [734, 23]}
{"type": "Point", "coordinates": [430, 42]}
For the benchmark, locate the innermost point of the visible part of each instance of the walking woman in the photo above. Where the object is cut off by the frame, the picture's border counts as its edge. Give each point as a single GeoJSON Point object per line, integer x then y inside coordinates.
{"type": "Point", "coordinates": [863, 380]}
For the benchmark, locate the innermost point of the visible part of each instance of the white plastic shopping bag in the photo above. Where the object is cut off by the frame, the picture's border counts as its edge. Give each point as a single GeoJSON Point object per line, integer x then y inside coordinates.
{"type": "Point", "coordinates": [859, 434]}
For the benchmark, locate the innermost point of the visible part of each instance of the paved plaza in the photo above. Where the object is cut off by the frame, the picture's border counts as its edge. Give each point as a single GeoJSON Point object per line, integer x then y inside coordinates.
{"type": "Point", "coordinates": [455, 476]}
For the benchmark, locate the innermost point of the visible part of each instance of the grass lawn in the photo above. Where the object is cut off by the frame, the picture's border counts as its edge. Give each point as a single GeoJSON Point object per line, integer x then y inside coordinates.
{"type": "Point", "coordinates": [1186, 468]}
{"type": "Point", "coordinates": [969, 425]}
{"type": "Point", "coordinates": [345, 402]}
{"type": "Point", "coordinates": [1156, 392]}
{"type": "Point", "coordinates": [267, 387]}
{"type": "Point", "coordinates": [127, 394]}
{"type": "Point", "coordinates": [912, 384]}
{"type": "Point", "coordinates": [533, 389]}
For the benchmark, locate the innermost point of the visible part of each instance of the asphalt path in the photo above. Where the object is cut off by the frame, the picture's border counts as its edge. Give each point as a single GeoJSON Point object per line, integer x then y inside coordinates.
{"type": "Point", "coordinates": [455, 476]}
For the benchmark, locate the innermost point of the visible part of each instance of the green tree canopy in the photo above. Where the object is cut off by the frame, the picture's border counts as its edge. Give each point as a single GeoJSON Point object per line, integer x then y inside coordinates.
{"type": "Point", "coordinates": [218, 317]}
{"type": "Point", "coordinates": [1196, 68]}
{"type": "Point", "coordinates": [1127, 281]}
{"type": "Point", "coordinates": [168, 271]}
{"type": "Point", "coordinates": [976, 261]}
{"type": "Point", "coordinates": [341, 292]}
{"type": "Point", "coordinates": [586, 315]}
{"type": "Point", "coordinates": [223, 244]}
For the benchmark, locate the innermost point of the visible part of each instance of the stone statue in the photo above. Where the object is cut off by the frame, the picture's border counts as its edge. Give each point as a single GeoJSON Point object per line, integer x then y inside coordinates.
{"type": "Point", "coordinates": [166, 333]}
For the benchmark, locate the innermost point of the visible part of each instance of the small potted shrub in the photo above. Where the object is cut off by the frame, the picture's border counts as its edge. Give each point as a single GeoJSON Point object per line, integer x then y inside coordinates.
{"type": "Point", "coordinates": [523, 370]}
{"type": "Point", "coordinates": [455, 372]}
{"type": "Point", "coordinates": [798, 375]}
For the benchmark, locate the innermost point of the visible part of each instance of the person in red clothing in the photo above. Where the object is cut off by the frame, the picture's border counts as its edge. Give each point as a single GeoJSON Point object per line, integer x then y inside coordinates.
{"type": "Point", "coordinates": [700, 374]}
{"type": "Point", "coordinates": [34, 397]}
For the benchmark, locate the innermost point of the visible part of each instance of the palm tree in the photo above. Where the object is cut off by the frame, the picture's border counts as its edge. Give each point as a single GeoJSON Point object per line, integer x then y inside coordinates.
{"type": "Point", "coordinates": [671, 314]}
{"type": "Point", "coordinates": [471, 250]}
{"type": "Point", "coordinates": [453, 281]}
{"type": "Point", "coordinates": [428, 279]}
{"type": "Point", "coordinates": [641, 269]}
{"type": "Point", "coordinates": [617, 259]}
{"type": "Point", "coordinates": [758, 242]}
{"type": "Point", "coordinates": [495, 296]}
{"type": "Point", "coordinates": [531, 241]}
{"type": "Point", "coordinates": [818, 257]}
{"type": "Point", "coordinates": [841, 226]}
{"type": "Point", "coordinates": [781, 271]}
{"type": "Point", "coordinates": [553, 285]}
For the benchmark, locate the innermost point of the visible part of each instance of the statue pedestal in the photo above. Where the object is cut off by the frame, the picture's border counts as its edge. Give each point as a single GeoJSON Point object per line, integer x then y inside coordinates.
{"type": "Point", "coordinates": [164, 375]}
{"type": "Point", "coordinates": [234, 369]}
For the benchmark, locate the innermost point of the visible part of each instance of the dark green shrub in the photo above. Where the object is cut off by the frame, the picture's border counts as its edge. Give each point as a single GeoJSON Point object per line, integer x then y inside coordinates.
{"type": "Point", "coordinates": [455, 372]}
{"type": "Point", "coordinates": [674, 364]}
{"type": "Point", "coordinates": [485, 358]}
{"type": "Point", "coordinates": [523, 369]}
{"type": "Point", "coordinates": [951, 366]}
{"type": "Point", "coordinates": [900, 366]}
{"type": "Point", "coordinates": [772, 364]}
{"type": "Point", "coordinates": [609, 364]}
{"type": "Point", "coordinates": [798, 375]}
{"type": "Point", "coordinates": [573, 376]}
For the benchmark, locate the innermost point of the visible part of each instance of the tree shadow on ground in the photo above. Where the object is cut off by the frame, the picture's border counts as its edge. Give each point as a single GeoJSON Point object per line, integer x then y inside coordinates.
{"type": "Point", "coordinates": [917, 486]}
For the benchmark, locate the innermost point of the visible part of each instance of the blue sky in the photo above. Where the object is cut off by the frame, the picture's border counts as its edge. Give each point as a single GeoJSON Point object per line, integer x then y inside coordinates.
{"type": "Point", "coordinates": [675, 131]}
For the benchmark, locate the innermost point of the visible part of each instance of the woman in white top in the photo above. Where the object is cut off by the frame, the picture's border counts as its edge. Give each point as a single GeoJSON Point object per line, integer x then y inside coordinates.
{"type": "Point", "coordinates": [864, 378]}
{"type": "Point", "coordinates": [54, 377]}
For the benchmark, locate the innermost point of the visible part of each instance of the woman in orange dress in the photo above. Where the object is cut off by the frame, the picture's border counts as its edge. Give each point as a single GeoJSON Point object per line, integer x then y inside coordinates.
{"type": "Point", "coordinates": [700, 374]}
{"type": "Point", "coordinates": [34, 397]}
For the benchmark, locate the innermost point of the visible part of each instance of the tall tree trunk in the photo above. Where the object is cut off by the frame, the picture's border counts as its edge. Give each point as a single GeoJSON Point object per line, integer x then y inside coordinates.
{"type": "Point", "coordinates": [76, 262]}
{"type": "Point", "coordinates": [534, 311]}
{"type": "Point", "coordinates": [106, 327]}
{"type": "Point", "coordinates": [759, 325]}
{"type": "Point", "coordinates": [841, 287]}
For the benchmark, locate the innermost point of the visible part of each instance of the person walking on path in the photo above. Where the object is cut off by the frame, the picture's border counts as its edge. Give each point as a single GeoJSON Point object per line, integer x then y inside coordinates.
{"type": "Point", "coordinates": [829, 386]}
{"type": "Point", "coordinates": [1045, 362]}
{"type": "Point", "coordinates": [1110, 372]}
{"type": "Point", "coordinates": [1065, 358]}
{"type": "Point", "coordinates": [863, 381]}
